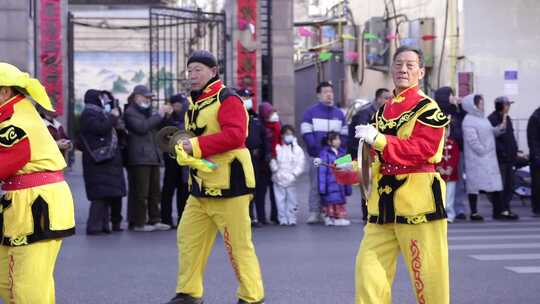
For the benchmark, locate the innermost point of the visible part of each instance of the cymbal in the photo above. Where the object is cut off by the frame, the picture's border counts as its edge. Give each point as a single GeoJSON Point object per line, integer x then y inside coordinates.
{"type": "Point", "coordinates": [178, 137]}
{"type": "Point", "coordinates": [163, 137]}
{"type": "Point", "coordinates": [365, 159]}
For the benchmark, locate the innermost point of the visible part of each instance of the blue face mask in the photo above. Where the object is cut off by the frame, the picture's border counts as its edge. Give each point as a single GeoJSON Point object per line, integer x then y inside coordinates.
{"type": "Point", "coordinates": [248, 103]}
{"type": "Point", "coordinates": [107, 108]}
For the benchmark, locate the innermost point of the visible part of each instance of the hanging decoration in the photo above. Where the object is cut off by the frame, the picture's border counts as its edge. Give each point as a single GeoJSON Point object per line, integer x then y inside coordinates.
{"type": "Point", "coordinates": [328, 32]}
{"type": "Point", "coordinates": [352, 56]}
{"type": "Point", "coordinates": [304, 32]}
{"type": "Point", "coordinates": [370, 36]}
{"type": "Point", "coordinates": [246, 69]}
{"type": "Point", "coordinates": [391, 37]}
{"type": "Point", "coordinates": [348, 37]}
{"type": "Point", "coordinates": [51, 65]}
{"type": "Point", "coordinates": [428, 37]}
{"type": "Point", "coordinates": [325, 55]}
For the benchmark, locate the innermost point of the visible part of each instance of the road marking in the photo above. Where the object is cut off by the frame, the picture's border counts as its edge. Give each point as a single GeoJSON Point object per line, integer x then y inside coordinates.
{"type": "Point", "coordinates": [524, 269]}
{"type": "Point", "coordinates": [494, 246]}
{"type": "Point", "coordinates": [506, 257]}
{"type": "Point", "coordinates": [487, 230]}
{"type": "Point", "coordinates": [493, 237]}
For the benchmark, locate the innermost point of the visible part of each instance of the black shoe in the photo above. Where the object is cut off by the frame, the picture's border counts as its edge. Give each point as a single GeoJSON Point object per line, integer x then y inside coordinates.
{"type": "Point", "coordinates": [94, 232]}
{"type": "Point", "coordinates": [461, 216]}
{"type": "Point", "coordinates": [117, 227]}
{"type": "Point", "coordinates": [506, 216]}
{"type": "Point", "coordinates": [182, 298]}
{"type": "Point", "coordinates": [536, 214]}
{"type": "Point", "coordinates": [240, 301]}
{"type": "Point", "coordinates": [476, 217]}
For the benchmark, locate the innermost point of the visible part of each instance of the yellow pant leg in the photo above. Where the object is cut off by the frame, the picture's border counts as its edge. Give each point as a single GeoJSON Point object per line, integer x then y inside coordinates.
{"type": "Point", "coordinates": [376, 264]}
{"type": "Point", "coordinates": [27, 273]}
{"type": "Point", "coordinates": [425, 251]}
{"type": "Point", "coordinates": [195, 235]}
{"type": "Point", "coordinates": [232, 218]}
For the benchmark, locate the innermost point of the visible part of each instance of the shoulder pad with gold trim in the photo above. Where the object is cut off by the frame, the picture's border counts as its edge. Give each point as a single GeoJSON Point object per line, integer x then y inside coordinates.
{"type": "Point", "coordinates": [11, 135]}
{"type": "Point", "coordinates": [433, 116]}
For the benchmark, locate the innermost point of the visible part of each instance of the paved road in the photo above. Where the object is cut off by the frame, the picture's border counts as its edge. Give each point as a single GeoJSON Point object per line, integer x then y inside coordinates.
{"type": "Point", "coordinates": [492, 262]}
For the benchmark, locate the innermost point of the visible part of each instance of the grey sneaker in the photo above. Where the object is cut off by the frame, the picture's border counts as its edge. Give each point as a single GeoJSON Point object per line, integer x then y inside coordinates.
{"type": "Point", "coordinates": [161, 226]}
{"type": "Point", "coordinates": [144, 228]}
{"type": "Point", "coordinates": [182, 298]}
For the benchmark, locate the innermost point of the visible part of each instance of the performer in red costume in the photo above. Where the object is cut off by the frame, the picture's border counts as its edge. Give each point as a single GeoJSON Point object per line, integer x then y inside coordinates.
{"type": "Point", "coordinates": [221, 185]}
{"type": "Point", "coordinates": [406, 205]}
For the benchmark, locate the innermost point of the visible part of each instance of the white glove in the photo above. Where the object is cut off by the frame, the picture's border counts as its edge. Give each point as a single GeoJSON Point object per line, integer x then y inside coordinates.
{"type": "Point", "coordinates": [317, 162]}
{"type": "Point", "coordinates": [366, 132]}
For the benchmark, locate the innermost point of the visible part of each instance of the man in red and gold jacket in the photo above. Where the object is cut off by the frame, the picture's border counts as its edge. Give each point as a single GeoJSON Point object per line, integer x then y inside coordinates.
{"type": "Point", "coordinates": [220, 192]}
{"type": "Point", "coordinates": [36, 210]}
{"type": "Point", "coordinates": [406, 205]}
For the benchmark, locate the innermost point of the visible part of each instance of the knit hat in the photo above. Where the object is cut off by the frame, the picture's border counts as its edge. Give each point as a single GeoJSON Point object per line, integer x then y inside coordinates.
{"type": "Point", "coordinates": [204, 57]}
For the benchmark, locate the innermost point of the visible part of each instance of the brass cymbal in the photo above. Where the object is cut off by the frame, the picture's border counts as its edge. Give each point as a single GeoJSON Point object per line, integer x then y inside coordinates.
{"type": "Point", "coordinates": [177, 138]}
{"type": "Point", "coordinates": [364, 163]}
{"type": "Point", "coordinates": [163, 137]}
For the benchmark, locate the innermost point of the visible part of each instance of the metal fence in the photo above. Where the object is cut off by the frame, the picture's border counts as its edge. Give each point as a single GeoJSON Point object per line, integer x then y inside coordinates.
{"type": "Point", "coordinates": [174, 34]}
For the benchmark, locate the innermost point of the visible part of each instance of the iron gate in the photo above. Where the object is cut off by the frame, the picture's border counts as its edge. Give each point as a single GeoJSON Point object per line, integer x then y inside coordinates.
{"type": "Point", "coordinates": [174, 34]}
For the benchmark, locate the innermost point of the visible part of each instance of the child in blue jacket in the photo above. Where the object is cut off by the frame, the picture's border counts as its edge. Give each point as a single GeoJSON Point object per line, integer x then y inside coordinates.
{"type": "Point", "coordinates": [333, 195]}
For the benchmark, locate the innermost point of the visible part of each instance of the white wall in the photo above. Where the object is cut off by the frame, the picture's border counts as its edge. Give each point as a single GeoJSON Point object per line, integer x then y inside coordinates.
{"type": "Point", "coordinates": [504, 35]}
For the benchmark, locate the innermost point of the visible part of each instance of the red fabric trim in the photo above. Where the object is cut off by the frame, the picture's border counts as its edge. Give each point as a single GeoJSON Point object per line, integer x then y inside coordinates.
{"type": "Point", "coordinates": [30, 180]}
{"type": "Point", "coordinates": [211, 89]}
{"type": "Point", "coordinates": [14, 158]}
{"type": "Point", "coordinates": [415, 150]}
{"type": "Point", "coordinates": [275, 132]}
{"type": "Point", "coordinates": [403, 102]}
{"type": "Point", "coordinates": [233, 120]}
{"type": "Point", "coordinates": [6, 110]}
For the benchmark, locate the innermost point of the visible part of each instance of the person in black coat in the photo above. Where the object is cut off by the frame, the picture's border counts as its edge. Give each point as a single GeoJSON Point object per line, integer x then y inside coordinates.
{"type": "Point", "coordinates": [506, 146]}
{"type": "Point", "coordinates": [175, 178]}
{"type": "Point", "coordinates": [103, 175]}
{"type": "Point", "coordinates": [260, 153]}
{"type": "Point", "coordinates": [451, 107]}
{"type": "Point", "coordinates": [533, 139]}
{"type": "Point", "coordinates": [363, 117]}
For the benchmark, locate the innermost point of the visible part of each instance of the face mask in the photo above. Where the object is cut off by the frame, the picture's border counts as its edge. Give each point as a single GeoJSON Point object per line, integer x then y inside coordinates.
{"type": "Point", "coordinates": [248, 103]}
{"type": "Point", "coordinates": [107, 108]}
{"type": "Point", "coordinates": [288, 139]}
{"type": "Point", "coordinates": [274, 117]}
{"type": "Point", "coordinates": [144, 105]}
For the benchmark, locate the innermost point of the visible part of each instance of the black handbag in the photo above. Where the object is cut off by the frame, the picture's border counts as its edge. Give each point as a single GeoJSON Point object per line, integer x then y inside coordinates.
{"type": "Point", "coordinates": [104, 153]}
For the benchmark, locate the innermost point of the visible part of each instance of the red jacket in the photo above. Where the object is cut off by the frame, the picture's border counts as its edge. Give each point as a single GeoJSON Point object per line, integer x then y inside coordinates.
{"type": "Point", "coordinates": [449, 165]}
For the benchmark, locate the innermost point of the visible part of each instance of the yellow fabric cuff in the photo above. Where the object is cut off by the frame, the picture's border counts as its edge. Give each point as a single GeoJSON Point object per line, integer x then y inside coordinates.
{"type": "Point", "coordinates": [195, 147]}
{"type": "Point", "coordinates": [380, 142]}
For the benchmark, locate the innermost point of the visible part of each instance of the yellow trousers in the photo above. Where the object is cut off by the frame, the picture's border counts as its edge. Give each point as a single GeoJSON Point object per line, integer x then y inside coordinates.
{"type": "Point", "coordinates": [26, 273]}
{"type": "Point", "coordinates": [425, 251]}
{"type": "Point", "coordinates": [201, 220]}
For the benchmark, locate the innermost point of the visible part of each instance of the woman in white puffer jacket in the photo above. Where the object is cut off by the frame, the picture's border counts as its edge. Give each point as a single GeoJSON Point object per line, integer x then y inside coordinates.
{"type": "Point", "coordinates": [286, 168]}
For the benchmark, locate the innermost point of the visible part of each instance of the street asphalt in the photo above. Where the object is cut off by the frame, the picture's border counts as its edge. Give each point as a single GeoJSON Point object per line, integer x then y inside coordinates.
{"type": "Point", "coordinates": [490, 262]}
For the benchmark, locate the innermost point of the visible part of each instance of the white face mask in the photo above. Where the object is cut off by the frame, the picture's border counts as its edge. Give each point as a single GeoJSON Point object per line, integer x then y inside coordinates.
{"type": "Point", "coordinates": [274, 117]}
{"type": "Point", "coordinates": [248, 103]}
{"type": "Point", "coordinates": [288, 139]}
{"type": "Point", "coordinates": [144, 105]}
{"type": "Point", "coordinates": [107, 107]}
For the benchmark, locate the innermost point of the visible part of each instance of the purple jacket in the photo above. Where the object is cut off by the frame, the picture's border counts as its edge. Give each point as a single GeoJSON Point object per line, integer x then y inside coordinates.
{"type": "Point", "coordinates": [318, 120]}
{"type": "Point", "coordinates": [331, 192]}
